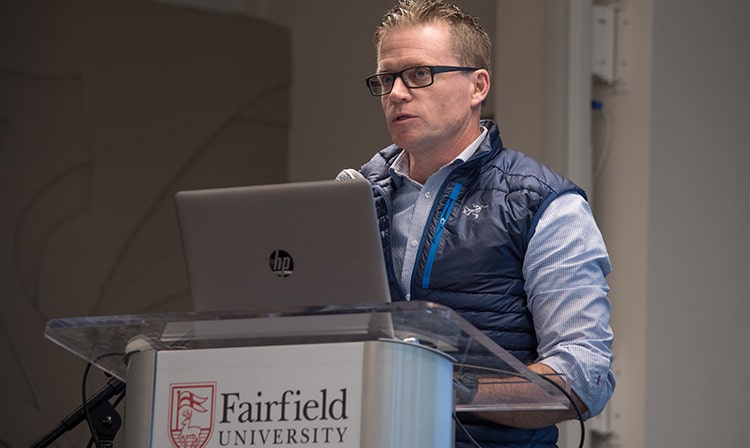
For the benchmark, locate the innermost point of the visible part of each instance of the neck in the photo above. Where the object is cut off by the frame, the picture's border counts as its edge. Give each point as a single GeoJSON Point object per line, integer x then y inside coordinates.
{"type": "Point", "coordinates": [420, 169]}
{"type": "Point", "coordinates": [422, 165]}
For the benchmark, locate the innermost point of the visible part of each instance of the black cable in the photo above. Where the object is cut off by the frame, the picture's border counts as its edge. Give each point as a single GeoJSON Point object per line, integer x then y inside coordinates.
{"type": "Point", "coordinates": [465, 431]}
{"type": "Point", "coordinates": [94, 440]}
{"type": "Point", "coordinates": [86, 410]}
{"type": "Point", "coordinates": [113, 387]}
{"type": "Point", "coordinates": [579, 414]}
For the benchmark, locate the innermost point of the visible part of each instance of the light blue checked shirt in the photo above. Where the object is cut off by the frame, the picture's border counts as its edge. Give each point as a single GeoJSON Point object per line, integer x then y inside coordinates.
{"type": "Point", "coordinates": [564, 269]}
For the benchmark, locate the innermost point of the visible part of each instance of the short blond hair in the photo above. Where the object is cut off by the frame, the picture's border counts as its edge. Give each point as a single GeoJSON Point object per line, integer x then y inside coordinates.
{"type": "Point", "coordinates": [471, 43]}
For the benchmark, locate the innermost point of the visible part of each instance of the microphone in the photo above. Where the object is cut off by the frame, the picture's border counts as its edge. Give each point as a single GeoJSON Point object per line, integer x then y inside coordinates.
{"type": "Point", "coordinates": [349, 174]}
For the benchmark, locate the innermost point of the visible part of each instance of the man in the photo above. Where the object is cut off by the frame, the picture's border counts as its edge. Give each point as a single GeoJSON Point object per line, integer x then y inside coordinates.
{"type": "Point", "coordinates": [487, 231]}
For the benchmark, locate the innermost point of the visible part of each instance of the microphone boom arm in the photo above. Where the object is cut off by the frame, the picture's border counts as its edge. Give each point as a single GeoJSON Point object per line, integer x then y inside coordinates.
{"type": "Point", "coordinates": [107, 420]}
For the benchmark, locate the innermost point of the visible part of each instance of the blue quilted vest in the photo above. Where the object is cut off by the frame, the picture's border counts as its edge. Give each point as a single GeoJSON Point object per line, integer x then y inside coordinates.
{"type": "Point", "coordinates": [471, 255]}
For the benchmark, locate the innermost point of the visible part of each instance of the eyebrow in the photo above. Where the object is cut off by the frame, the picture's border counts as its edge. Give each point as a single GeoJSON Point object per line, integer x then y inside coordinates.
{"type": "Point", "coordinates": [405, 66]}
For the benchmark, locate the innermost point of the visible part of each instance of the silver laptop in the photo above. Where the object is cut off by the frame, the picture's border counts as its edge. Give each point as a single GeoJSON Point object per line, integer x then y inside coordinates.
{"type": "Point", "coordinates": [284, 246]}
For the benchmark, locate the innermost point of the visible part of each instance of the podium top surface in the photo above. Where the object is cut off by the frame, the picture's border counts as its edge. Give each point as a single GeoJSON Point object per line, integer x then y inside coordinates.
{"type": "Point", "coordinates": [105, 341]}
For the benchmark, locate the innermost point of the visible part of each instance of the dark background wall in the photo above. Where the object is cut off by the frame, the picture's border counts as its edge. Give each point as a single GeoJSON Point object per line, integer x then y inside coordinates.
{"type": "Point", "coordinates": [106, 109]}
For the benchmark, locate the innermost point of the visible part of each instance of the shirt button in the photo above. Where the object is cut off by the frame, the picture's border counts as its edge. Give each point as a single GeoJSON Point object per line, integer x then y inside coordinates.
{"type": "Point", "coordinates": [408, 297]}
{"type": "Point", "coordinates": [428, 194]}
{"type": "Point", "coordinates": [414, 243]}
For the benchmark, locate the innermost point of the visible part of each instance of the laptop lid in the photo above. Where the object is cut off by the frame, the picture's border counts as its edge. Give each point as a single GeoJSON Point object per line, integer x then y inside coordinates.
{"type": "Point", "coordinates": [274, 247]}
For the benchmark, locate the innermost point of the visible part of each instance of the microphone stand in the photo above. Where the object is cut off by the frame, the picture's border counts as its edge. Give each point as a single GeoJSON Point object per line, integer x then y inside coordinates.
{"type": "Point", "coordinates": [105, 421]}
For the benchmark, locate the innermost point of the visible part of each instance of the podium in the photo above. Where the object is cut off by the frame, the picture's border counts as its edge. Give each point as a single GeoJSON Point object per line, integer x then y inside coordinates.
{"type": "Point", "coordinates": [364, 376]}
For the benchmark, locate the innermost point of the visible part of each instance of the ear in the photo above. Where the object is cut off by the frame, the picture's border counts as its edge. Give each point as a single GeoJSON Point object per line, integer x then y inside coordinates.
{"type": "Point", "coordinates": [480, 86]}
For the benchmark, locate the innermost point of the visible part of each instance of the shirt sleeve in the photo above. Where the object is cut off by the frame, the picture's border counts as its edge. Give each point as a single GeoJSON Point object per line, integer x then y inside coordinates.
{"type": "Point", "coordinates": [565, 268]}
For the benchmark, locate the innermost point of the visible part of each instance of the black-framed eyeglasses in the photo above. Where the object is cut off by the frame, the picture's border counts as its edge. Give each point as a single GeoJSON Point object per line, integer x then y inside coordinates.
{"type": "Point", "coordinates": [413, 77]}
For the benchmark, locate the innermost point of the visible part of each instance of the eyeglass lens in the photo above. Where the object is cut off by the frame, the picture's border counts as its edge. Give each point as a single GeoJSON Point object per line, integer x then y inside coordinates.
{"type": "Point", "coordinates": [412, 77]}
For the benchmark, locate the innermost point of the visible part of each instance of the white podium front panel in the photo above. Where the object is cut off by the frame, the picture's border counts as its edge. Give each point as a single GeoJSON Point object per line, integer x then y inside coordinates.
{"type": "Point", "coordinates": [401, 386]}
{"type": "Point", "coordinates": [348, 395]}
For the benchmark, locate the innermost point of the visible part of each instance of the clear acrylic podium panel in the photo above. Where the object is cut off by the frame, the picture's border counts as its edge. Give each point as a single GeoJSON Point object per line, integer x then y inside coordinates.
{"type": "Point", "coordinates": [105, 341]}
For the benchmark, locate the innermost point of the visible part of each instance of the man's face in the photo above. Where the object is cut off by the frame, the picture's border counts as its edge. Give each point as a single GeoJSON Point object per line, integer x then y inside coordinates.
{"type": "Point", "coordinates": [439, 120]}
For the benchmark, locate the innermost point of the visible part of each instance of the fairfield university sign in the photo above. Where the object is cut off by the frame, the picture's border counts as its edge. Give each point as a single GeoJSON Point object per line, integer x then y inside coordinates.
{"type": "Point", "coordinates": [203, 399]}
{"type": "Point", "coordinates": [199, 414]}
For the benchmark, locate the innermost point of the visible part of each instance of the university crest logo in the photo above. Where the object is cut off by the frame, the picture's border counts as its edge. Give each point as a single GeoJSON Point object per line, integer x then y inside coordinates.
{"type": "Point", "coordinates": [191, 414]}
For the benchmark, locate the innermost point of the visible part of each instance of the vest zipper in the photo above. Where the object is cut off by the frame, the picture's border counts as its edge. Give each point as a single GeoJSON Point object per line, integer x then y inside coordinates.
{"type": "Point", "coordinates": [444, 215]}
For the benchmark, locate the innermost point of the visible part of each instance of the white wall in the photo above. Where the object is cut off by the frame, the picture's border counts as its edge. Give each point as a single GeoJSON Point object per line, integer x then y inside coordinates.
{"type": "Point", "coordinates": [671, 205]}
{"type": "Point", "coordinates": [696, 391]}
{"type": "Point", "coordinates": [670, 201]}
{"type": "Point", "coordinates": [621, 153]}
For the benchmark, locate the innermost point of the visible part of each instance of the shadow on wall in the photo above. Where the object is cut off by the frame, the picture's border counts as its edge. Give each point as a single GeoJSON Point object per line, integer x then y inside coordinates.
{"type": "Point", "coordinates": [106, 110]}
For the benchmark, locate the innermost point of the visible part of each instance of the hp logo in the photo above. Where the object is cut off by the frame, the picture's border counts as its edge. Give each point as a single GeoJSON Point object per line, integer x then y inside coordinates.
{"type": "Point", "coordinates": [281, 263]}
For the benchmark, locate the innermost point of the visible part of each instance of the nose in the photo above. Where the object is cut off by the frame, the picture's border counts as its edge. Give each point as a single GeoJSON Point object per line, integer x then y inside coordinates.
{"type": "Point", "coordinates": [399, 92]}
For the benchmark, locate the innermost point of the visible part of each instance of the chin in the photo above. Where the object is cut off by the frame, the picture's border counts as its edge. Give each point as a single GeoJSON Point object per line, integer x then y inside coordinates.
{"type": "Point", "coordinates": [403, 140]}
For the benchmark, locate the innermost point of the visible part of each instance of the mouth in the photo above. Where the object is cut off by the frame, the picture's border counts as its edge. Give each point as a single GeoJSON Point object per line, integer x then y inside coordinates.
{"type": "Point", "coordinates": [402, 117]}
